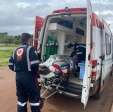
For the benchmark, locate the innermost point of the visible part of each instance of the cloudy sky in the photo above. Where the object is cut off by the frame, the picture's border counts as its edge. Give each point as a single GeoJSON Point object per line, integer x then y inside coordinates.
{"type": "Point", "coordinates": [17, 16]}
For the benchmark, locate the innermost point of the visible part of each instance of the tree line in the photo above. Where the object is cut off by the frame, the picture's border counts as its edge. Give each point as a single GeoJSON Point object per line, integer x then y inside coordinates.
{"type": "Point", "coordinates": [9, 39]}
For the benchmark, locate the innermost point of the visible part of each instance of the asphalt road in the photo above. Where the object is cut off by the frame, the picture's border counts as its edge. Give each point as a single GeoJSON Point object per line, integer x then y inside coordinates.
{"type": "Point", "coordinates": [57, 103]}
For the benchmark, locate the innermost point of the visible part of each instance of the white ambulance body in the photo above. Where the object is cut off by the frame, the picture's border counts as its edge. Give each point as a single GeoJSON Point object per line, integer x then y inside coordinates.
{"type": "Point", "coordinates": [83, 26]}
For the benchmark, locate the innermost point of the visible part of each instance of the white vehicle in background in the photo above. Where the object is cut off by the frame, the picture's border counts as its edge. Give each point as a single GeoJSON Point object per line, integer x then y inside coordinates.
{"type": "Point", "coordinates": [83, 26]}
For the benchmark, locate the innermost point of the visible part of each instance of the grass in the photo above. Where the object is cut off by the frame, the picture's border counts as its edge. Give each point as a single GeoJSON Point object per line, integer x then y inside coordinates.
{"type": "Point", "coordinates": [8, 45]}
{"type": "Point", "coordinates": [5, 53]}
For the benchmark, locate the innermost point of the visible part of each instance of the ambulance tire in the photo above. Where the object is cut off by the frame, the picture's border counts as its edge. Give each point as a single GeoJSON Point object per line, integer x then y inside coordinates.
{"type": "Point", "coordinates": [97, 94]}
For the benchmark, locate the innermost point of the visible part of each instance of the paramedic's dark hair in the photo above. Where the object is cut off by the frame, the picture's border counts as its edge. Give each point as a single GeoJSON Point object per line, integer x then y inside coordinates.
{"type": "Point", "coordinates": [25, 37]}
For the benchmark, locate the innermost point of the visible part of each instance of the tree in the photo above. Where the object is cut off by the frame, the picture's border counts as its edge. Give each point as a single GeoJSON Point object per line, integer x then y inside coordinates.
{"type": "Point", "coordinates": [9, 39]}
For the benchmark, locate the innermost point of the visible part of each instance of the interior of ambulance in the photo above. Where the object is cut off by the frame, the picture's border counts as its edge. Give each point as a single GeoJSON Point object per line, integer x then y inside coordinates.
{"type": "Point", "coordinates": [64, 41]}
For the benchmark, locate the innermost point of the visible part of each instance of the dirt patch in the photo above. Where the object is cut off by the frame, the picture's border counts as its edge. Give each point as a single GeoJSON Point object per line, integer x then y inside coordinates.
{"type": "Point", "coordinates": [57, 103]}
{"type": "Point", "coordinates": [1, 77]}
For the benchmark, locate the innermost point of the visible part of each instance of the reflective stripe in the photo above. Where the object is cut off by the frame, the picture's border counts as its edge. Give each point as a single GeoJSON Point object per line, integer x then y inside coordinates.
{"type": "Point", "coordinates": [81, 46]}
{"type": "Point", "coordinates": [35, 104]}
{"type": "Point", "coordinates": [79, 53]}
{"type": "Point", "coordinates": [10, 64]}
{"type": "Point", "coordinates": [14, 53]}
{"type": "Point", "coordinates": [35, 62]}
{"type": "Point", "coordinates": [21, 104]}
{"type": "Point", "coordinates": [28, 60]}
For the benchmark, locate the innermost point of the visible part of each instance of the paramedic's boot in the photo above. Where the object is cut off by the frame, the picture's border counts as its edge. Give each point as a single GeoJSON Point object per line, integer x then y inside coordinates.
{"type": "Point", "coordinates": [41, 103]}
{"type": "Point", "coordinates": [35, 109]}
{"type": "Point", "coordinates": [22, 108]}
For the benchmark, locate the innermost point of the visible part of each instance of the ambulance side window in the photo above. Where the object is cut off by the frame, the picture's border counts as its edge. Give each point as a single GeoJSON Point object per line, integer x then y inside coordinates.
{"type": "Point", "coordinates": [108, 44]}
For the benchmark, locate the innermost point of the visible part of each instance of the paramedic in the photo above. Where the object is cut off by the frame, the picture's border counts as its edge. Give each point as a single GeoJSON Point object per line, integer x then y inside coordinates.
{"type": "Point", "coordinates": [78, 55]}
{"type": "Point", "coordinates": [80, 51]}
{"type": "Point", "coordinates": [25, 62]}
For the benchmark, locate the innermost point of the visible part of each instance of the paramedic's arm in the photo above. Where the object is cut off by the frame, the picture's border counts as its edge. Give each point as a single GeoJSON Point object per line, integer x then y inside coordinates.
{"type": "Point", "coordinates": [34, 60]}
{"type": "Point", "coordinates": [11, 63]}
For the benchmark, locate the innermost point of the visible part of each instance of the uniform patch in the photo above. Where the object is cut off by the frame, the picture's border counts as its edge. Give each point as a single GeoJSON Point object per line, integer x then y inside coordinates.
{"type": "Point", "coordinates": [19, 53]}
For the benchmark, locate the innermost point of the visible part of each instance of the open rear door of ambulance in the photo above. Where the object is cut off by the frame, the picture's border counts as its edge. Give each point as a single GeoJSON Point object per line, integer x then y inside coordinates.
{"type": "Point", "coordinates": [38, 25]}
{"type": "Point", "coordinates": [87, 78]}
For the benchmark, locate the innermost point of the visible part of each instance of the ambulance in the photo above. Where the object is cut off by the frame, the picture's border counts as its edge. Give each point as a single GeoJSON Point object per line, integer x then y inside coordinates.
{"type": "Point", "coordinates": [82, 26]}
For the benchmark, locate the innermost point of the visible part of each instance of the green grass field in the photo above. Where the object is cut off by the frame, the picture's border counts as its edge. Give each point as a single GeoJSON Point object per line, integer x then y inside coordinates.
{"type": "Point", "coordinates": [5, 53]}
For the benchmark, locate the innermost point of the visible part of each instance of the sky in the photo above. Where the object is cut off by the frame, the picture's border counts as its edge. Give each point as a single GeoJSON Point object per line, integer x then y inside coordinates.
{"type": "Point", "coordinates": [17, 16]}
